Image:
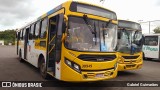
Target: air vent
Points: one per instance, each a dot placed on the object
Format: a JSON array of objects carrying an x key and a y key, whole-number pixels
[
  {"x": 97, "y": 58},
  {"x": 130, "y": 57}
]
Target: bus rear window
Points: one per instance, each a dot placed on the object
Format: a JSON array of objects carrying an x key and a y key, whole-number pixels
[{"x": 151, "y": 40}]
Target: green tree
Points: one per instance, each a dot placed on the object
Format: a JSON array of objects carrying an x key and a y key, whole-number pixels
[
  {"x": 8, "y": 36},
  {"x": 157, "y": 29}
]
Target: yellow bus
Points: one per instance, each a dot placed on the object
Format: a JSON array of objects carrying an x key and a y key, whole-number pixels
[
  {"x": 129, "y": 45},
  {"x": 73, "y": 42}
]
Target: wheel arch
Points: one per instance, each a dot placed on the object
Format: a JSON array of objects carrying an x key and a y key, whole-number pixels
[{"x": 40, "y": 59}]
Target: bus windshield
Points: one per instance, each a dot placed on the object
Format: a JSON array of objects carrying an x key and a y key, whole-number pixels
[
  {"x": 92, "y": 35},
  {"x": 130, "y": 41}
]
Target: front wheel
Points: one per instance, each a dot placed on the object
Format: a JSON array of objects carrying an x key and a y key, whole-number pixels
[{"x": 43, "y": 69}]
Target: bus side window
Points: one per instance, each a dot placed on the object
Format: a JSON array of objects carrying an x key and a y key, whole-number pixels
[
  {"x": 53, "y": 26},
  {"x": 24, "y": 32},
  {"x": 21, "y": 34},
  {"x": 31, "y": 36},
  {"x": 37, "y": 29},
  {"x": 43, "y": 28},
  {"x": 18, "y": 37}
]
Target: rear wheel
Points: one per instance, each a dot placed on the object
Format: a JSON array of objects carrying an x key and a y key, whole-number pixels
[
  {"x": 144, "y": 56},
  {"x": 149, "y": 58},
  {"x": 20, "y": 56}
]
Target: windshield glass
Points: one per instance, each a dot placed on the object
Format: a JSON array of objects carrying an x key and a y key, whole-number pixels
[
  {"x": 90, "y": 36},
  {"x": 129, "y": 41}
]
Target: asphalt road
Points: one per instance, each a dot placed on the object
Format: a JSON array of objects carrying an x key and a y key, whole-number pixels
[{"x": 12, "y": 70}]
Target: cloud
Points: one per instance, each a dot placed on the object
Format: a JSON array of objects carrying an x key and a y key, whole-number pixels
[
  {"x": 13, "y": 11},
  {"x": 157, "y": 3}
]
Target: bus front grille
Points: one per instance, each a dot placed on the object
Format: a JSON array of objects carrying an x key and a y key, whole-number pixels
[
  {"x": 97, "y": 58},
  {"x": 130, "y": 57}
]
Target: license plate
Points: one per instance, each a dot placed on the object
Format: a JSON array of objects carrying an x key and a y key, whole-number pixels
[
  {"x": 99, "y": 75},
  {"x": 129, "y": 66}
]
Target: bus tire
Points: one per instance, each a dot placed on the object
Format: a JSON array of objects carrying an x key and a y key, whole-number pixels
[
  {"x": 20, "y": 56},
  {"x": 42, "y": 68},
  {"x": 144, "y": 57}
]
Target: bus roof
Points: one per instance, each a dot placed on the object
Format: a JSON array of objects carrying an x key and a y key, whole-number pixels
[
  {"x": 127, "y": 21},
  {"x": 153, "y": 34},
  {"x": 129, "y": 25},
  {"x": 59, "y": 7}
]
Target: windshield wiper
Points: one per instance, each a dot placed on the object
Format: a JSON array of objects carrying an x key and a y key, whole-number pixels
[
  {"x": 124, "y": 29},
  {"x": 85, "y": 17},
  {"x": 107, "y": 24},
  {"x": 95, "y": 35},
  {"x": 103, "y": 34},
  {"x": 93, "y": 30}
]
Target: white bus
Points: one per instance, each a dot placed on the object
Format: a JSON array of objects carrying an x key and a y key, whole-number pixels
[{"x": 151, "y": 46}]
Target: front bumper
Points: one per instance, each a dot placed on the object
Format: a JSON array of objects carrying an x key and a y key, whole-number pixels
[
  {"x": 88, "y": 76},
  {"x": 131, "y": 66}
]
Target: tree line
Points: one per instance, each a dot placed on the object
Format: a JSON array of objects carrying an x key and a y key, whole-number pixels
[
  {"x": 8, "y": 36},
  {"x": 157, "y": 29}
]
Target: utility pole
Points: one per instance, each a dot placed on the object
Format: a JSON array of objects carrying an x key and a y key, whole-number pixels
[{"x": 149, "y": 26}]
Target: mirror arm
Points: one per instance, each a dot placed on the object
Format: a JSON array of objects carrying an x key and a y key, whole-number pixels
[{"x": 65, "y": 34}]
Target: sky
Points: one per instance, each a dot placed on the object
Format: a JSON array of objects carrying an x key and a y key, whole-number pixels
[{"x": 17, "y": 13}]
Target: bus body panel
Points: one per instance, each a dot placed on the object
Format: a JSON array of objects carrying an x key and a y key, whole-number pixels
[
  {"x": 99, "y": 70},
  {"x": 88, "y": 68},
  {"x": 151, "y": 46},
  {"x": 32, "y": 53},
  {"x": 73, "y": 76},
  {"x": 151, "y": 51},
  {"x": 127, "y": 61},
  {"x": 58, "y": 69},
  {"x": 130, "y": 64}
]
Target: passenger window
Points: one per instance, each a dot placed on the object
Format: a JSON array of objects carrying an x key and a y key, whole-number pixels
[
  {"x": 31, "y": 36},
  {"x": 37, "y": 29},
  {"x": 21, "y": 34},
  {"x": 43, "y": 28},
  {"x": 18, "y": 37},
  {"x": 24, "y": 31}
]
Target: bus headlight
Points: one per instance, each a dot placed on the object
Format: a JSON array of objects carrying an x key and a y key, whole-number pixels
[
  {"x": 73, "y": 65},
  {"x": 68, "y": 63},
  {"x": 76, "y": 66}
]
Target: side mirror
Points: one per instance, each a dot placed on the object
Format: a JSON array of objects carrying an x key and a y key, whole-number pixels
[
  {"x": 143, "y": 39},
  {"x": 119, "y": 35},
  {"x": 65, "y": 18},
  {"x": 64, "y": 28}
]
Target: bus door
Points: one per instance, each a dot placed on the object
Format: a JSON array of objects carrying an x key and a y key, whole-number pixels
[
  {"x": 54, "y": 42},
  {"x": 26, "y": 42},
  {"x": 159, "y": 46},
  {"x": 18, "y": 38}
]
